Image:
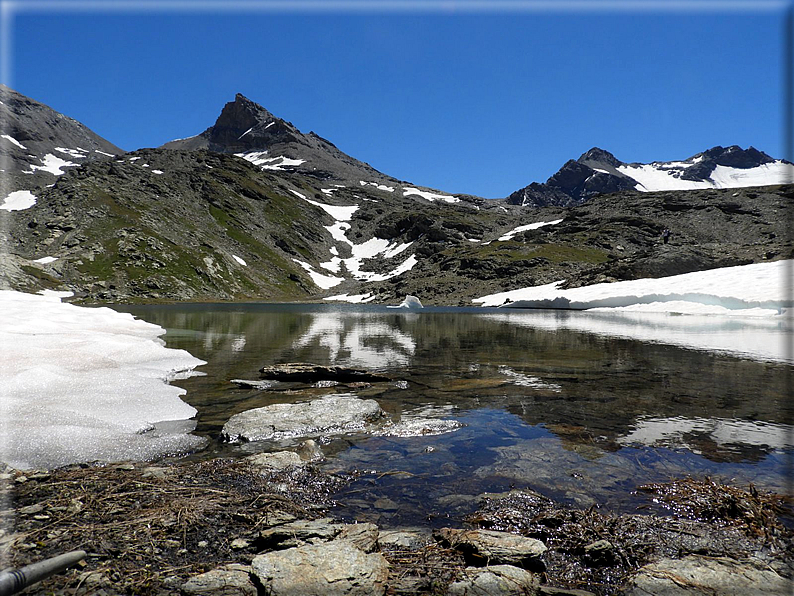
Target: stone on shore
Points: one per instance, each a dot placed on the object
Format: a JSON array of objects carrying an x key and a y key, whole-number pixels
[
  {"x": 300, "y": 533},
  {"x": 229, "y": 580},
  {"x": 332, "y": 414},
  {"x": 278, "y": 460},
  {"x": 333, "y": 569},
  {"x": 716, "y": 576},
  {"x": 311, "y": 373},
  {"x": 497, "y": 580},
  {"x": 487, "y": 547}
]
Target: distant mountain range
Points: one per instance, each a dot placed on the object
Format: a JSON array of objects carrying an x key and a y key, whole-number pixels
[
  {"x": 254, "y": 209},
  {"x": 599, "y": 172}
]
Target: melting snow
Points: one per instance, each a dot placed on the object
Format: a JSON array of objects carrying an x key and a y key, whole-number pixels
[
  {"x": 240, "y": 261},
  {"x": 103, "y": 153},
  {"x": 532, "y": 226},
  {"x": 322, "y": 281},
  {"x": 353, "y": 299},
  {"x": 18, "y": 200},
  {"x": 13, "y": 140},
  {"x": 653, "y": 177},
  {"x": 77, "y": 153},
  {"x": 51, "y": 164},
  {"x": 429, "y": 195},
  {"x": 269, "y": 163},
  {"x": 755, "y": 290},
  {"x": 157, "y": 172},
  {"x": 376, "y": 185},
  {"x": 245, "y": 133},
  {"x": 84, "y": 384},
  {"x": 338, "y": 212},
  {"x": 46, "y": 260}
]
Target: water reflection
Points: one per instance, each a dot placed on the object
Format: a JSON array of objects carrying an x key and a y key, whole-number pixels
[{"x": 582, "y": 406}]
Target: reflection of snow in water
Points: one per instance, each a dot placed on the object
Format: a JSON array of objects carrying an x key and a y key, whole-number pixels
[
  {"x": 756, "y": 338},
  {"x": 527, "y": 381},
  {"x": 367, "y": 342},
  {"x": 657, "y": 432},
  {"x": 238, "y": 343}
]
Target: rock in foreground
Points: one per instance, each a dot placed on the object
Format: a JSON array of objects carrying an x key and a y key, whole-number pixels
[
  {"x": 333, "y": 414},
  {"x": 486, "y": 547},
  {"x": 331, "y": 569}
]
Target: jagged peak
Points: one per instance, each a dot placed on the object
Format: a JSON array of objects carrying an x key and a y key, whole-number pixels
[{"x": 596, "y": 154}]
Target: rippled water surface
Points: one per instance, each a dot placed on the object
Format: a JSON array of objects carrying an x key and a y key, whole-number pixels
[{"x": 550, "y": 401}]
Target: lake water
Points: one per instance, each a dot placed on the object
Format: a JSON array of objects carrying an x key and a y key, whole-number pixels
[{"x": 581, "y": 407}]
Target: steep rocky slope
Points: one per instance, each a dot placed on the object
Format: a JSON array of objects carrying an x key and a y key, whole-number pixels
[{"x": 38, "y": 144}]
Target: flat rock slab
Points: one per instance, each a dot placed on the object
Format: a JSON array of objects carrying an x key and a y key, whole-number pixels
[
  {"x": 229, "y": 580},
  {"x": 334, "y": 569},
  {"x": 486, "y": 547},
  {"x": 332, "y": 414},
  {"x": 278, "y": 460},
  {"x": 300, "y": 533},
  {"x": 311, "y": 373},
  {"x": 715, "y": 576},
  {"x": 498, "y": 580}
]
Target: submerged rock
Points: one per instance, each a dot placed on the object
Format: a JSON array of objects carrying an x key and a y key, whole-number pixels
[
  {"x": 332, "y": 569},
  {"x": 313, "y": 373},
  {"x": 333, "y": 414},
  {"x": 497, "y": 580},
  {"x": 696, "y": 575},
  {"x": 486, "y": 547}
]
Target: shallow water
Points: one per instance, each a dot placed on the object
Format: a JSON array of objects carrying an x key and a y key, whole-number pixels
[{"x": 550, "y": 401}]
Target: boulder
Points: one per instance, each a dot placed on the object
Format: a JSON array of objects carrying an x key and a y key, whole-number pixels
[
  {"x": 278, "y": 460},
  {"x": 363, "y": 536},
  {"x": 403, "y": 539},
  {"x": 716, "y": 576},
  {"x": 332, "y": 414},
  {"x": 311, "y": 373},
  {"x": 486, "y": 547},
  {"x": 229, "y": 580},
  {"x": 498, "y": 580},
  {"x": 299, "y": 533},
  {"x": 334, "y": 569}
]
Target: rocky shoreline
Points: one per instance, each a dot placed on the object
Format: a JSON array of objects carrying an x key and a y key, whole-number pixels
[{"x": 260, "y": 525}]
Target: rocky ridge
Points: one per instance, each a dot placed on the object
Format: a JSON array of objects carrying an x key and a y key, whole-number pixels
[{"x": 253, "y": 209}]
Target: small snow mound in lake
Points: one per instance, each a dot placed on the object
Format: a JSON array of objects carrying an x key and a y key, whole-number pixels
[
  {"x": 86, "y": 384},
  {"x": 411, "y": 302}
]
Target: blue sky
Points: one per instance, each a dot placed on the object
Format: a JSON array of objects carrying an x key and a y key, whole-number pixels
[{"x": 478, "y": 100}]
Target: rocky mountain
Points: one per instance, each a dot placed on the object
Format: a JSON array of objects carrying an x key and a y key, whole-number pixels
[
  {"x": 204, "y": 219},
  {"x": 38, "y": 144},
  {"x": 599, "y": 172}
]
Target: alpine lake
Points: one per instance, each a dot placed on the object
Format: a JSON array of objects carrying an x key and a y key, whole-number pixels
[{"x": 580, "y": 407}]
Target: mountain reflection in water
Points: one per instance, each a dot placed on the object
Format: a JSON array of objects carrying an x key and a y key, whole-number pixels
[{"x": 579, "y": 406}]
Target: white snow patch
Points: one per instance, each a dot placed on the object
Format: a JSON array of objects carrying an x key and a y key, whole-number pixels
[
  {"x": 297, "y": 194},
  {"x": 655, "y": 177},
  {"x": 85, "y": 384},
  {"x": 103, "y": 153},
  {"x": 334, "y": 265},
  {"x": 338, "y": 212},
  {"x": 240, "y": 261},
  {"x": 756, "y": 289},
  {"x": 133, "y": 158},
  {"x": 532, "y": 226},
  {"x": 410, "y": 302},
  {"x": 245, "y": 133},
  {"x": 46, "y": 260},
  {"x": 52, "y": 164},
  {"x": 383, "y": 187},
  {"x": 352, "y": 298},
  {"x": 270, "y": 163},
  {"x": 322, "y": 281},
  {"x": 14, "y": 141},
  {"x": 76, "y": 153},
  {"x": 409, "y": 190},
  {"x": 18, "y": 201},
  {"x": 157, "y": 172}
]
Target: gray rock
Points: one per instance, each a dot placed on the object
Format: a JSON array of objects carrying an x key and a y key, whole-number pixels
[
  {"x": 418, "y": 427},
  {"x": 363, "y": 536},
  {"x": 715, "y": 576},
  {"x": 498, "y": 580},
  {"x": 485, "y": 547},
  {"x": 402, "y": 539},
  {"x": 600, "y": 552},
  {"x": 312, "y": 373},
  {"x": 332, "y": 414},
  {"x": 278, "y": 460},
  {"x": 299, "y": 533},
  {"x": 229, "y": 580},
  {"x": 310, "y": 451},
  {"x": 334, "y": 569}
]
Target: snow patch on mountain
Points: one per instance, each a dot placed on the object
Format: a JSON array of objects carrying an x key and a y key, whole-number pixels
[
  {"x": 18, "y": 201},
  {"x": 13, "y": 140},
  {"x": 321, "y": 281},
  {"x": 351, "y": 298},
  {"x": 383, "y": 187},
  {"x": 410, "y": 190},
  {"x": 519, "y": 229},
  {"x": 52, "y": 164},
  {"x": 278, "y": 163},
  {"x": 76, "y": 153},
  {"x": 666, "y": 176}
]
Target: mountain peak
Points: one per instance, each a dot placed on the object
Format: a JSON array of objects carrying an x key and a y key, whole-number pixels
[{"x": 596, "y": 155}]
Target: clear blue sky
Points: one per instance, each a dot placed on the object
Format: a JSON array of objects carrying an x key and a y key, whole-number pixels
[{"x": 463, "y": 100}]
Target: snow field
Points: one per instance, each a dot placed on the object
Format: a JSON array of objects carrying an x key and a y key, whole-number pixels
[
  {"x": 83, "y": 384},
  {"x": 18, "y": 201},
  {"x": 532, "y": 226}
]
